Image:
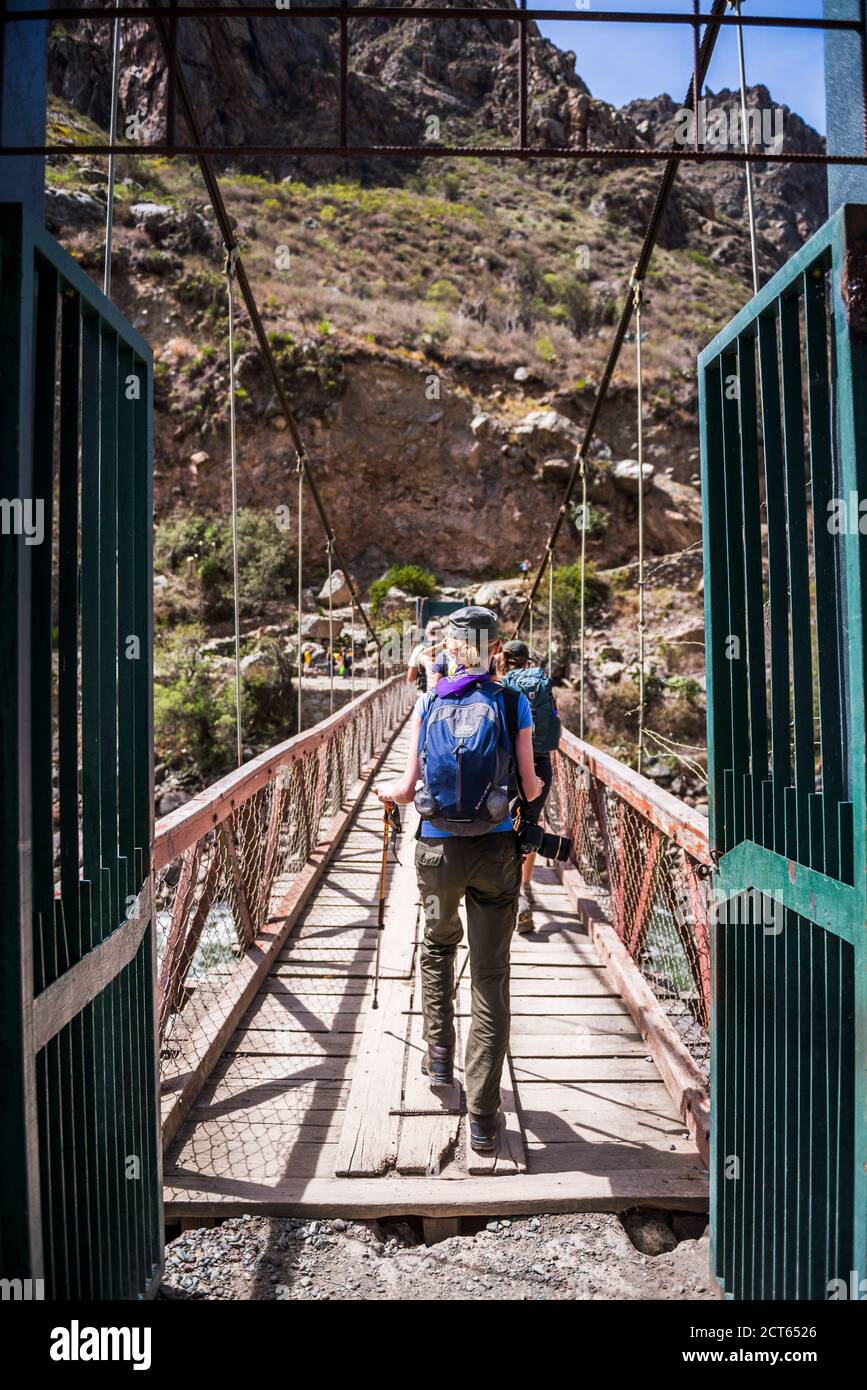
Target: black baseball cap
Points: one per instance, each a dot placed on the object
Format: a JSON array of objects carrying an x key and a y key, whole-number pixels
[
  {"x": 519, "y": 650},
  {"x": 472, "y": 623}
]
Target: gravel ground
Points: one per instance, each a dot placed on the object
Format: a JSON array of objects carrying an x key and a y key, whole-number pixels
[{"x": 578, "y": 1256}]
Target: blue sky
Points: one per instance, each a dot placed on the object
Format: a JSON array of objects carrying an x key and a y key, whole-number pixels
[{"x": 619, "y": 61}]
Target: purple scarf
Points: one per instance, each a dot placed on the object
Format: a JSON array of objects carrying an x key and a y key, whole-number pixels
[{"x": 461, "y": 681}]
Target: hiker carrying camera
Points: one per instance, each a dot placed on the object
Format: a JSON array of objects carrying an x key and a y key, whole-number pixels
[
  {"x": 516, "y": 672},
  {"x": 467, "y": 738}
]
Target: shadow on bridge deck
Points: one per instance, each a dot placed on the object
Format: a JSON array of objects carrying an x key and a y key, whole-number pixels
[{"x": 299, "y": 1115}]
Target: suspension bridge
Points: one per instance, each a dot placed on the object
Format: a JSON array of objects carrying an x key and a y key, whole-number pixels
[{"x": 188, "y": 1019}]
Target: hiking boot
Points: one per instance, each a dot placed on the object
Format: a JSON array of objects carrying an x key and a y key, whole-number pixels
[
  {"x": 439, "y": 1064},
  {"x": 525, "y": 923},
  {"x": 484, "y": 1132}
]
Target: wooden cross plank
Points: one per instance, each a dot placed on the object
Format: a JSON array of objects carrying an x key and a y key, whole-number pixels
[{"x": 368, "y": 1142}]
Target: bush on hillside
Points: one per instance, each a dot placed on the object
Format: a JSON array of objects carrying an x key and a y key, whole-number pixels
[
  {"x": 199, "y": 549},
  {"x": 567, "y": 602},
  {"x": 412, "y": 579}
]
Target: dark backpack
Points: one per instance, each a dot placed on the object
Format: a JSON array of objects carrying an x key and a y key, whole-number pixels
[
  {"x": 533, "y": 682},
  {"x": 466, "y": 759}
]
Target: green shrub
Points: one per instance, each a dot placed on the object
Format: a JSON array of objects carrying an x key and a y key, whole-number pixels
[
  {"x": 194, "y": 704},
  {"x": 200, "y": 549},
  {"x": 567, "y": 602},
  {"x": 442, "y": 292},
  {"x": 451, "y": 188},
  {"x": 411, "y": 578}
]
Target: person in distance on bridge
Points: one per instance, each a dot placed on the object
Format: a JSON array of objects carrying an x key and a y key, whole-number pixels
[
  {"x": 466, "y": 737},
  {"x": 517, "y": 672},
  {"x": 427, "y": 662}
]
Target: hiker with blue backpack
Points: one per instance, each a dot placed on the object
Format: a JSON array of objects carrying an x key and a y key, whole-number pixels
[
  {"x": 470, "y": 740},
  {"x": 517, "y": 672}
]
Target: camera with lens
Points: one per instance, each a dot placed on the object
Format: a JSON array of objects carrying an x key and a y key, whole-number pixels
[{"x": 531, "y": 837}]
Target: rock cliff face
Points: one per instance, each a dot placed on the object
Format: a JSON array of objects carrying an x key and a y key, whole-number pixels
[
  {"x": 461, "y": 482},
  {"x": 262, "y": 81}
]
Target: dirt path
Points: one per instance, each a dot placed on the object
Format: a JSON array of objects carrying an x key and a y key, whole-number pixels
[{"x": 581, "y": 1256}]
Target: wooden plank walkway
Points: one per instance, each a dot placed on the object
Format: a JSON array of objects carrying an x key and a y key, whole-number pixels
[{"x": 306, "y": 1111}]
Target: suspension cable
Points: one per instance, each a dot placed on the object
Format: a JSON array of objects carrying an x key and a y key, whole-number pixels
[
  {"x": 300, "y": 471},
  {"x": 751, "y": 210},
  {"x": 329, "y": 546},
  {"x": 352, "y": 659},
  {"x": 109, "y": 202},
  {"x": 550, "y": 612},
  {"x": 666, "y": 183},
  {"x": 639, "y": 391},
  {"x": 233, "y": 453},
  {"x": 581, "y": 629}
]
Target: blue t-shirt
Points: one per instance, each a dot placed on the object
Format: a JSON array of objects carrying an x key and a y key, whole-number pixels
[{"x": 525, "y": 721}]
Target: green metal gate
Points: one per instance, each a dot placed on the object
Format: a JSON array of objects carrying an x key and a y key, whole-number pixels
[
  {"x": 80, "y": 1188},
  {"x": 783, "y": 397}
]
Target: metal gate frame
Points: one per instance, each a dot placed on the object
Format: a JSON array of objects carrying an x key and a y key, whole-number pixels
[
  {"x": 782, "y": 387},
  {"x": 80, "y": 1185}
]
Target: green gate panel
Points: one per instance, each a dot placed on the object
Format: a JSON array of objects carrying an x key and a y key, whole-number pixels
[
  {"x": 81, "y": 1194},
  {"x": 783, "y": 402}
]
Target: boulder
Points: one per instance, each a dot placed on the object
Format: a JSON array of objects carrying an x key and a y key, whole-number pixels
[
  {"x": 649, "y": 1233},
  {"x": 521, "y": 374},
  {"x": 72, "y": 208},
  {"x": 171, "y": 799},
  {"x": 504, "y": 596},
  {"x": 394, "y": 601},
  {"x": 483, "y": 426},
  {"x": 611, "y": 670},
  {"x": 625, "y": 475},
  {"x": 338, "y": 589},
  {"x": 157, "y": 219},
  {"x": 257, "y": 663},
  {"x": 315, "y": 628},
  {"x": 317, "y": 652},
  {"x": 556, "y": 470},
  {"x": 188, "y": 230},
  {"x": 545, "y": 434}
]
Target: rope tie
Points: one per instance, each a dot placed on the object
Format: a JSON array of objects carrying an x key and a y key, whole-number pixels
[
  {"x": 638, "y": 292},
  {"x": 751, "y": 211},
  {"x": 231, "y": 258}
]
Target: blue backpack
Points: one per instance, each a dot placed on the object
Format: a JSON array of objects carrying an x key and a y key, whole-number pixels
[
  {"x": 533, "y": 682},
  {"x": 465, "y": 757}
]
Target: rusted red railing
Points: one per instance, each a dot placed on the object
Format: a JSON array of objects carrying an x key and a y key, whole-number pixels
[
  {"x": 226, "y": 862},
  {"x": 645, "y": 855}
]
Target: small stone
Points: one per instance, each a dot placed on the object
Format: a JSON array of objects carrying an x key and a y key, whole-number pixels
[
  {"x": 492, "y": 1226},
  {"x": 626, "y": 473}
]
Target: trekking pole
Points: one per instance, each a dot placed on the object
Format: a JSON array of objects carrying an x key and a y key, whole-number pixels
[{"x": 390, "y": 829}]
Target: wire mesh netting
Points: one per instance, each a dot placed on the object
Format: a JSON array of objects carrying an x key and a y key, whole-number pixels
[
  {"x": 214, "y": 898},
  {"x": 651, "y": 889}
]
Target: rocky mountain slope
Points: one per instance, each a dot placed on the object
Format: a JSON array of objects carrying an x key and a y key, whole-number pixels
[{"x": 441, "y": 325}]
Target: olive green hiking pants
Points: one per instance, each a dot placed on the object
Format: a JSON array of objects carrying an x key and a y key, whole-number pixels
[{"x": 486, "y": 871}]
